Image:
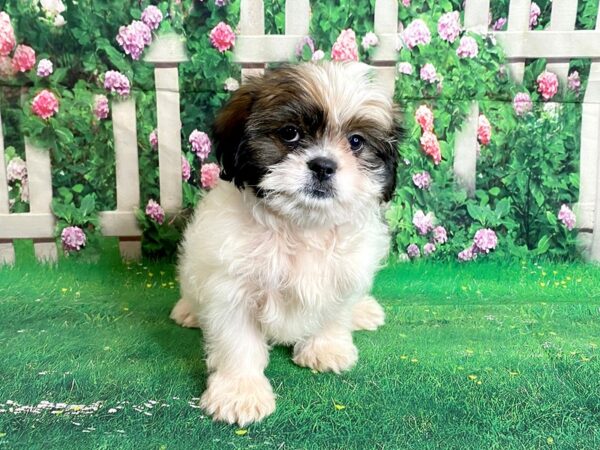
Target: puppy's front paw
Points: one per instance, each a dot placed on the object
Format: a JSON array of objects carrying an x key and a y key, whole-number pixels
[
  {"x": 240, "y": 400},
  {"x": 327, "y": 353},
  {"x": 367, "y": 314},
  {"x": 183, "y": 314}
]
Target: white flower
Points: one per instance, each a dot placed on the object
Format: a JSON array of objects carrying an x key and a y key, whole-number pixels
[
  {"x": 52, "y": 7},
  {"x": 318, "y": 55},
  {"x": 59, "y": 21},
  {"x": 231, "y": 84}
]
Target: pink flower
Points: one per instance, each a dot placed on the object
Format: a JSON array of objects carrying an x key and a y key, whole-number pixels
[
  {"x": 318, "y": 55},
  {"x": 101, "y": 108},
  {"x": 499, "y": 24},
  {"x": 45, "y": 104},
  {"x": 153, "y": 139},
  {"x": 306, "y": 40},
  {"x": 449, "y": 26},
  {"x": 413, "y": 251},
  {"x": 405, "y": 68},
  {"x": 186, "y": 169},
  {"x": 16, "y": 170},
  {"x": 534, "y": 13},
  {"x": 440, "y": 236},
  {"x": 428, "y": 73},
  {"x": 152, "y": 16},
  {"x": 428, "y": 248},
  {"x": 574, "y": 82},
  {"x": 467, "y": 48},
  {"x": 200, "y": 144},
  {"x": 522, "y": 103},
  {"x": 467, "y": 254},
  {"x": 44, "y": 68},
  {"x": 424, "y": 117},
  {"x": 345, "y": 48},
  {"x": 484, "y": 130},
  {"x": 134, "y": 37},
  {"x": 222, "y": 37},
  {"x": 155, "y": 211},
  {"x": 73, "y": 238},
  {"x": 23, "y": 58},
  {"x": 406, "y": 3},
  {"x": 209, "y": 175},
  {"x": 369, "y": 40},
  {"x": 567, "y": 217},
  {"x": 220, "y": 3},
  {"x": 423, "y": 222},
  {"x": 416, "y": 33},
  {"x": 116, "y": 82},
  {"x": 6, "y": 67},
  {"x": 422, "y": 180},
  {"x": 7, "y": 35},
  {"x": 485, "y": 240},
  {"x": 547, "y": 83},
  {"x": 431, "y": 146}
]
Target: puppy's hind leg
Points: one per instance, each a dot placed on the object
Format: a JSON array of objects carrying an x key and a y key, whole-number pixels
[
  {"x": 367, "y": 314},
  {"x": 183, "y": 314}
]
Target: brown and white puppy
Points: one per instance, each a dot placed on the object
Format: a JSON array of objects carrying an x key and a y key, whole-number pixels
[{"x": 284, "y": 249}]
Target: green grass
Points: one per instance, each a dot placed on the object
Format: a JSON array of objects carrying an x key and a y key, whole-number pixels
[{"x": 473, "y": 356}]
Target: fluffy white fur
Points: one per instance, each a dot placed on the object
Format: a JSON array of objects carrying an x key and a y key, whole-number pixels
[{"x": 285, "y": 269}]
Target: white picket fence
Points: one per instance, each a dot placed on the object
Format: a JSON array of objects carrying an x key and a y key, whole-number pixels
[
  {"x": 39, "y": 224},
  {"x": 253, "y": 50}
]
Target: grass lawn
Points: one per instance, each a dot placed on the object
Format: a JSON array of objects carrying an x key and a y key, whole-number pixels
[{"x": 474, "y": 356}]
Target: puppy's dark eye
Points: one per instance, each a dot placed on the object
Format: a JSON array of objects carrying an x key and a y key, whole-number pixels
[
  {"x": 290, "y": 134},
  {"x": 356, "y": 142}
]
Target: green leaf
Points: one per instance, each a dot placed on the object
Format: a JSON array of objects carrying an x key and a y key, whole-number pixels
[{"x": 78, "y": 188}]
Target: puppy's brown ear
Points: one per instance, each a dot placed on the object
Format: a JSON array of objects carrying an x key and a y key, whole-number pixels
[
  {"x": 229, "y": 131},
  {"x": 391, "y": 156}
]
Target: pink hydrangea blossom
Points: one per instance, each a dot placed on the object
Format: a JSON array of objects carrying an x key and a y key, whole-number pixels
[
  {"x": 153, "y": 139},
  {"x": 429, "y": 248},
  {"x": 134, "y": 37},
  {"x": 485, "y": 240},
  {"x": 6, "y": 67},
  {"x": 428, "y": 73},
  {"x": 152, "y": 16},
  {"x": 155, "y": 211},
  {"x": 522, "y": 103},
  {"x": 116, "y": 82},
  {"x": 405, "y": 68},
  {"x": 424, "y": 117},
  {"x": 186, "y": 169},
  {"x": 369, "y": 40},
  {"x": 318, "y": 55},
  {"x": 574, "y": 81},
  {"x": 406, "y": 3},
  {"x": 200, "y": 144},
  {"x": 499, "y": 24},
  {"x": 306, "y": 40},
  {"x": 72, "y": 238},
  {"x": 467, "y": 48},
  {"x": 423, "y": 222},
  {"x": 222, "y": 37},
  {"x": 431, "y": 146},
  {"x": 484, "y": 130},
  {"x": 567, "y": 217},
  {"x": 467, "y": 254},
  {"x": 101, "y": 108},
  {"x": 440, "y": 236},
  {"x": 24, "y": 190},
  {"x": 413, "y": 251},
  {"x": 534, "y": 13},
  {"x": 416, "y": 33},
  {"x": 16, "y": 170},
  {"x": 422, "y": 180},
  {"x": 547, "y": 84},
  {"x": 23, "y": 58},
  {"x": 44, "y": 104},
  {"x": 209, "y": 175},
  {"x": 7, "y": 35},
  {"x": 345, "y": 47},
  {"x": 44, "y": 68},
  {"x": 449, "y": 26}
]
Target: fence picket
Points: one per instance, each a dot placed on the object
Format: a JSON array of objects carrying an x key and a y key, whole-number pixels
[
  {"x": 297, "y": 17},
  {"x": 564, "y": 14},
  {"x": 252, "y": 23},
  {"x": 386, "y": 24},
  {"x": 518, "y": 20},
  {"x": 7, "y": 250}
]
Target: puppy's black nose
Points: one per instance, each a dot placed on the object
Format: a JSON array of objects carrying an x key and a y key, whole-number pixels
[{"x": 323, "y": 168}]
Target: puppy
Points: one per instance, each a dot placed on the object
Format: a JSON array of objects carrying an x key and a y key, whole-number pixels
[{"x": 284, "y": 249}]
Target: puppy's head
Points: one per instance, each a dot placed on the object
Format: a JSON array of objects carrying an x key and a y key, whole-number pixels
[{"x": 317, "y": 143}]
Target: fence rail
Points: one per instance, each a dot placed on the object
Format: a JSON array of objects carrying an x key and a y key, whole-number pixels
[{"x": 254, "y": 49}]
